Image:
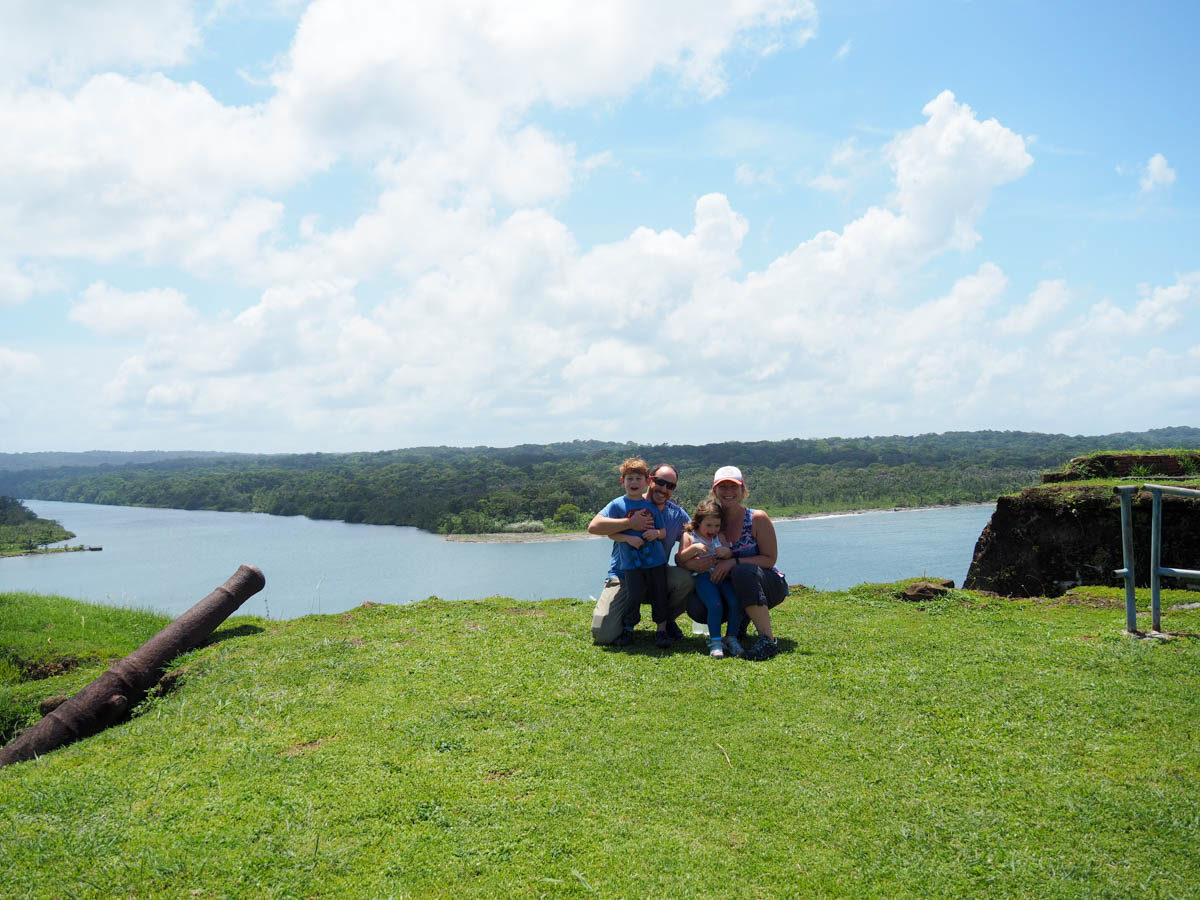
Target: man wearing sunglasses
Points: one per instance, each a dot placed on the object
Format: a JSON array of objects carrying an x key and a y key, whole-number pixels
[{"x": 610, "y": 608}]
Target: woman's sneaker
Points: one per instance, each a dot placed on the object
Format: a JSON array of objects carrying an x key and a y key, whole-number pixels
[
  {"x": 735, "y": 649},
  {"x": 764, "y": 648},
  {"x": 716, "y": 648}
]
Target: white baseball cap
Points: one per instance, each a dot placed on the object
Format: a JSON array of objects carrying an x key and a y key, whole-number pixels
[{"x": 729, "y": 473}]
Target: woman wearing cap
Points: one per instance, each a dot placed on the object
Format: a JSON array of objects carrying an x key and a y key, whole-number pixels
[{"x": 750, "y": 534}]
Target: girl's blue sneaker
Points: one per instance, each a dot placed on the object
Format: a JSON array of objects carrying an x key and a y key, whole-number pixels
[
  {"x": 716, "y": 648},
  {"x": 735, "y": 649}
]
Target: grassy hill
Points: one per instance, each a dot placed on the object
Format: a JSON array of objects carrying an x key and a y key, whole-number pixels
[{"x": 965, "y": 746}]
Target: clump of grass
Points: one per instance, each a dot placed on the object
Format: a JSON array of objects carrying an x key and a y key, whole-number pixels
[
  {"x": 1103, "y": 595},
  {"x": 488, "y": 748}
]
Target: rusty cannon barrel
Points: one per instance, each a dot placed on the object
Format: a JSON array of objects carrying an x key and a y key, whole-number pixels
[{"x": 109, "y": 698}]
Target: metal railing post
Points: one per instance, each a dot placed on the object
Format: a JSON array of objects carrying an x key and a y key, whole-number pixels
[
  {"x": 1157, "y": 569},
  {"x": 1155, "y": 557},
  {"x": 1126, "y": 493}
]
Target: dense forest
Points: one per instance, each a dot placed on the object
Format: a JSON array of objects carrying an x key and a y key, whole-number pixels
[{"x": 559, "y": 486}]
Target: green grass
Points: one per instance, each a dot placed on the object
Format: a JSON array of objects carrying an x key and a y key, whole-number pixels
[
  {"x": 966, "y": 746},
  {"x": 40, "y": 629}
]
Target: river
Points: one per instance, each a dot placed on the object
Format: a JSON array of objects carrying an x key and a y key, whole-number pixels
[{"x": 167, "y": 559}]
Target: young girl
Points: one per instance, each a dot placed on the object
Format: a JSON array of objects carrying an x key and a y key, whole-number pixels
[{"x": 703, "y": 540}]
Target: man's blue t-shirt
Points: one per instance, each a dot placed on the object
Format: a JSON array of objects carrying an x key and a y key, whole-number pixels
[{"x": 671, "y": 518}]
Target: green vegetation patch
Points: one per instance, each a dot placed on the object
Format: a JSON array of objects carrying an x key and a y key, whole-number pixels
[
  {"x": 1093, "y": 489},
  {"x": 23, "y": 532},
  {"x": 968, "y": 747}
]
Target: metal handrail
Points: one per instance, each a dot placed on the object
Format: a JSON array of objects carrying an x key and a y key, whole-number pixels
[{"x": 1157, "y": 569}]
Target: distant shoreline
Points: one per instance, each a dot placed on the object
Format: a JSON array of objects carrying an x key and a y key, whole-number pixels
[
  {"x": 78, "y": 548},
  {"x": 535, "y": 537}
]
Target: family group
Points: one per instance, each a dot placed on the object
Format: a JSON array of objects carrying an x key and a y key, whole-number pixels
[{"x": 724, "y": 566}]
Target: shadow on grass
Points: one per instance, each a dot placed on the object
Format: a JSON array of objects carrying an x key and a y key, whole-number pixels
[
  {"x": 643, "y": 645},
  {"x": 224, "y": 634}
]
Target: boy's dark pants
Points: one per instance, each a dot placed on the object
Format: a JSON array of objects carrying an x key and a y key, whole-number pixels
[{"x": 646, "y": 586}]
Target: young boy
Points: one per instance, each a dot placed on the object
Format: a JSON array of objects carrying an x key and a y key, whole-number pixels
[{"x": 641, "y": 556}]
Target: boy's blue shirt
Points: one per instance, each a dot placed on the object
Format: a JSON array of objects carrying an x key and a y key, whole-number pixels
[{"x": 671, "y": 518}]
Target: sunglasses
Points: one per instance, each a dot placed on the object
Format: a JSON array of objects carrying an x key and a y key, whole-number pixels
[{"x": 663, "y": 483}]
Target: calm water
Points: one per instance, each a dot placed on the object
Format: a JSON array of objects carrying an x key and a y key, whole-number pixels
[{"x": 167, "y": 559}]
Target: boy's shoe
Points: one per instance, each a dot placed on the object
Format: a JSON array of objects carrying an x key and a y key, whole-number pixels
[
  {"x": 735, "y": 649},
  {"x": 764, "y": 648},
  {"x": 662, "y": 640},
  {"x": 716, "y": 649},
  {"x": 624, "y": 639},
  {"x": 674, "y": 631}
]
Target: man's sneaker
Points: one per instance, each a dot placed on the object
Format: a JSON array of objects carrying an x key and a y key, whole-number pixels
[
  {"x": 735, "y": 649},
  {"x": 674, "y": 631},
  {"x": 764, "y": 648},
  {"x": 716, "y": 648},
  {"x": 662, "y": 640},
  {"x": 624, "y": 639}
]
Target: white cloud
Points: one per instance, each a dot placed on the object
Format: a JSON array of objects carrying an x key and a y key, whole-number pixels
[
  {"x": 126, "y": 166},
  {"x": 111, "y": 312},
  {"x": 368, "y": 74},
  {"x": 1047, "y": 300},
  {"x": 140, "y": 166},
  {"x": 61, "y": 40},
  {"x": 15, "y": 286},
  {"x": 845, "y": 164},
  {"x": 823, "y": 314},
  {"x": 18, "y": 282},
  {"x": 1108, "y": 327},
  {"x": 952, "y": 157},
  {"x": 749, "y": 176},
  {"x": 842, "y": 52},
  {"x": 1158, "y": 173},
  {"x": 15, "y": 364}
]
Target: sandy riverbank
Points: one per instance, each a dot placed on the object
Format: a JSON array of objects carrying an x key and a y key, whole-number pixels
[
  {"x": 515, "y": 537},
  {"x": 519, "y": 537}
]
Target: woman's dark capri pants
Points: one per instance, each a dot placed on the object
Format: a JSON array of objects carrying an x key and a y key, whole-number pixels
[{"x": 753, "y": 585}]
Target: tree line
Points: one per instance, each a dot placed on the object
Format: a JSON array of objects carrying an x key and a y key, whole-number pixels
[{"x": 559, "y": 486}]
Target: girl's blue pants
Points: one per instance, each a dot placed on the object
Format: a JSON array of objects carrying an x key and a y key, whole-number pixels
[{"x": 717, "y": 599}]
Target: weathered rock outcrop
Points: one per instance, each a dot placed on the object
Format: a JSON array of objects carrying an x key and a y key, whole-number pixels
[
  {"x": 1172, "y": 464},
  {"x": 1050, "y": 538}
]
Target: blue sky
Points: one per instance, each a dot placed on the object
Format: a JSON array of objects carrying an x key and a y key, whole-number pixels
[{"x": 359, "y": 225}]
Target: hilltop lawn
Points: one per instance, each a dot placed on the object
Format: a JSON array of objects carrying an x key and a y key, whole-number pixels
[{"x": 968, "y": 746}]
